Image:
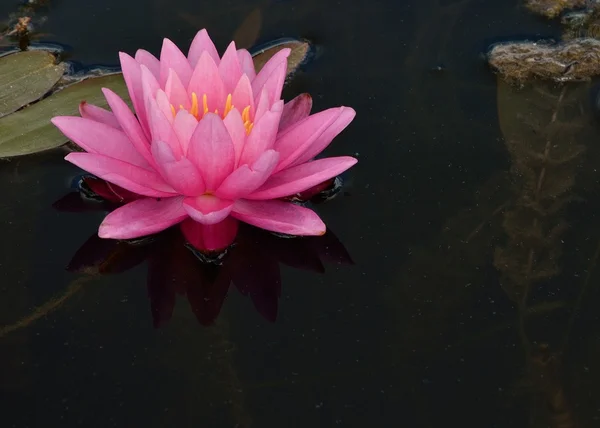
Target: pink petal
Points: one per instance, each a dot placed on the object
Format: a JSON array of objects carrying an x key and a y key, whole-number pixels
[
  {"x": 150, "y": 85},
  {"x": 207, "y": 209},
  {"x": 146, "y": 58},
  {"x": 271, "y": 70},
  {"x": 142, "y": 217},
  {"x": 129, "y": 124},
  {"x": 162, "y": 101},
  {"x": 235, "y": 126},
  {"x": 96, "y": 137},
  {"x": 262, "y": 105},
  {"x": 211, "y": 237},
  {"x": 230, "y": 68},
  {"x": 98, "y": 114},
  {"x": 202, "y": 43},
  {"x": 301, "y": 177},
  {"x": 262, "y": 136},
  {"x": 295, "y": 110},
  {"x": 177, "y": 92},
  {"x": 172, "y": 58},
  {"x": 130, "y": 177},
  {"x": 206, "y": 80},
  {"x": 245, "y": 179},
  {"x": 161, "y": 128},
  {"x": 292, "y": 143},
  {"x": 278, "y": 216},
  {"x": 242, "y": 96},
  {"x": 132, "y": 73},
  {"x": 273, "y": 86},
  {"x": 184, "y": 126},
  {"x": 181, "y": 174},
  {"x": 211, "y": 149},
  {"x": 246, "y": 63},
  {"x": 326, "y": 137}
]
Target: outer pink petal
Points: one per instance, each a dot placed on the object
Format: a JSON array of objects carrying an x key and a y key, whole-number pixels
[
  {"x": 172, "y": 58},
  {"x": 212, "y": 237},
  {"x": 177, "y": 92},
  {"x": 162, "y": 101},
  {"x": 295, "y": 110},
  {"x": 128, "y": 176},
  {"x": 211, "y": 149},
  {"x": 202, "y": 43},
  {"x": 262, "y": 105},
  {"x": 98, "y": 114},
  {"x": 129, "y": 124},
  {"x": 146, "y": 58},
  {"x": 242, "y": 96},
  {"x": 230, "y": 68},
  {"x": 161, "y": 127},
  {"x": 132, "y": 74},
  {"x": 247, "y": 63},
  {"x": 181, "y": 174},
  {"x": 292, "y": 143},
  {"x": 184, "y": 126},
  {"x": 262, "y": 136},
  {"x": 278, "y": 216},
  {"x": 272, "y": 69},
  {"x": 273, "y": 86},
  {"x": 245, "y": 179},
  {"x": 96, "y": 137},
  {"x": 206, "y": 80},
  {"x": 142, "y": 217},
  {"x": 235, "y": 126},
  {"x": 326, "y": 137},
  {"x": 299, "y": 178},
  {"x": 207, "y": 209}
]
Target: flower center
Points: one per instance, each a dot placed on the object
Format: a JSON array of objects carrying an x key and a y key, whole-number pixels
[{"x": 199, "y": 113}]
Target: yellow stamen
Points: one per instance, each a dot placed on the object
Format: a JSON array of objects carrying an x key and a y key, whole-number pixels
[
  {"x": 194, "y": 109},
  {"x": 205, "y": 103},
  {"x": 246, "y": 114},
  {"x": 181, "y": 107},
  {"x": 173, "y": 110},
  {"x": 248, "y": 125},
  {"x": 228, "y": 106}
]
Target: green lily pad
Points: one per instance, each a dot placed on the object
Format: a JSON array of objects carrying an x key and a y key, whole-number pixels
[
  {"x": 26, "y": 77},
  {"x": 30, "y": 130},
  {"x": 300, "y": 50}
]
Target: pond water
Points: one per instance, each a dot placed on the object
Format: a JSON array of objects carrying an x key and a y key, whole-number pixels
[{"x": 427, "y": 327}]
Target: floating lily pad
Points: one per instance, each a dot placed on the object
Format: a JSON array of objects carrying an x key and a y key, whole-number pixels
[
  {"x": 30, "y": 130},
  {"x": 300, "y": 50},
  {"x": 26, "y": 77}
]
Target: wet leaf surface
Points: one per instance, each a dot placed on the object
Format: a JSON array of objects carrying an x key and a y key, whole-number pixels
[
  {"x": 25, "y": 77},
  {"x": 30, "y": 130},
  {"x": 300, "y": 50}
]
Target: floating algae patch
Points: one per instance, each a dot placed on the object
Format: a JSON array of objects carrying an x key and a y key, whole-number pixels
[
  {"x": 523, "y": 61},
  {"x": 552, "y": 8}
]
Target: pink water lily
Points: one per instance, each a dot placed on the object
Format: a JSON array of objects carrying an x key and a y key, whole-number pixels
[{"x": 211, "y": 143}]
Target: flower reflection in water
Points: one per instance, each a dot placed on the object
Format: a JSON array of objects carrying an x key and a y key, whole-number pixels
[{"x": 176, "y": 268}]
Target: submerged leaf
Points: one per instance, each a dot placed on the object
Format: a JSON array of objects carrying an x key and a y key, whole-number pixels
[
  {"x": 300, "y": 50},
  {"x": 249, "y": 30},
  {"x": 30, "y": 130},
  {"x": 26, "y": 77}
]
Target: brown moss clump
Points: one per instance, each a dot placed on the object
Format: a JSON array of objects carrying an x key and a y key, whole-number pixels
[
  {"x": 523, "y": 61},
  {"x": 552, "y": 8}
]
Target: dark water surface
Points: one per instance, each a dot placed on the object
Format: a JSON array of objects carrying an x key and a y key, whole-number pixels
[{"x": 427, "y": 328}]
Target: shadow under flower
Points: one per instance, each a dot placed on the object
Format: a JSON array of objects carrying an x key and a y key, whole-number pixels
[{"x": 175, "y": 267}]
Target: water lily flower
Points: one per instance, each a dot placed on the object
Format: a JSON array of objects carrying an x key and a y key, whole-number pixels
[{"x": 211, "y": 143}]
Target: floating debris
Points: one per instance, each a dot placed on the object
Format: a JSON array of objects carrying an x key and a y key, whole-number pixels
[
  {"x": 552, "y": 8},
  {"x": 519, "y": 62}
]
